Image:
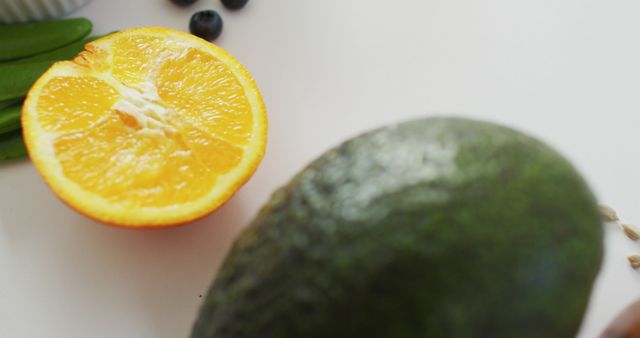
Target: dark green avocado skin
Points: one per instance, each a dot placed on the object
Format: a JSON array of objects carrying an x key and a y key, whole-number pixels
[{"x": 433, "y": 228}]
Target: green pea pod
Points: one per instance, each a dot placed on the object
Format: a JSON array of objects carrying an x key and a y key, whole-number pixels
[
  {"x": 7, "y": 103},
  {"x": 16, "y": 80},
  {"x": 67, "y": 52},
  {"x": 12, "y": 146},
  {"x": 10, "y": 118},
  {"x": 26, "y": 39}
]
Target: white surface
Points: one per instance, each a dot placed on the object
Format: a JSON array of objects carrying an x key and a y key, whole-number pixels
[
  {"x": 30, "y": 10},
  {"x": 566, "y": 71}
]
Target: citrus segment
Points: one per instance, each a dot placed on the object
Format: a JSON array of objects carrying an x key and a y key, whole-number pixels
[
  {"x": 134, "y": 57},
  {"x": 218, "y": 155},
  {"x": 132, "y": 170},
  {"x": 74, "y": 103},
  {"x": 205, "y": 92},
  {"x": 148, "y": 127}
]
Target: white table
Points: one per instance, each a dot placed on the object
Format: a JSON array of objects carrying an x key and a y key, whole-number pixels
[{"x": 565, "y": 71}]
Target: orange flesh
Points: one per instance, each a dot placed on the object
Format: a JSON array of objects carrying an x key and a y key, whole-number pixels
[{"x": 156, "y": 128}]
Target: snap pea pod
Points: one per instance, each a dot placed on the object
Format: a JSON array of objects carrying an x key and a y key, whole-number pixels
[
  {"x": 7, "y": 103},
  {"x": 67, "y": 52},
  {"x": 27, "y": 39},
  {"x": 16, "y": 77},
  {"x": 16, "y": 80},
  {"x": 10, "y": 118},
  {"x": 12, "y": 146}
]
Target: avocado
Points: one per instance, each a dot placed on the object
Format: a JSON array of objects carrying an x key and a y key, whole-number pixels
[{"x": 432, "y": 228}]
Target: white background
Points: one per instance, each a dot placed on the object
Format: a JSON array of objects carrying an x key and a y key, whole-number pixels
[{"x": 567, "y": 71}]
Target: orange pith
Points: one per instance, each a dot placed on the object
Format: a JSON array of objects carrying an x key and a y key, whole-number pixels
[{"x": 148, "y": 127}]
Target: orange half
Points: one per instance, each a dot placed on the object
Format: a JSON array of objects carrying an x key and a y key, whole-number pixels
[{"x": 147, "y": 127}]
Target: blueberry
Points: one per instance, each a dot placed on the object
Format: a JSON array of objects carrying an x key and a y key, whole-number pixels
[
  {"x": 183, "y": 3},
  {"x": 234, "y": 4},
  {"x": 206, "y": 24}
]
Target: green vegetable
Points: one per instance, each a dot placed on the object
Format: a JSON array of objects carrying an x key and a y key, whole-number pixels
[
  {"x": 67, "y": 52},
  {"x": 17, "y": 79},
  {"x": 11, "y": 145},
  {"x": 27, "y": 39},
  {"x": 10, "y": 118},
  {"x": 7, "y": 103},
  {"x": 17, "y": 76},
  {"x": 432, "y": 228}
]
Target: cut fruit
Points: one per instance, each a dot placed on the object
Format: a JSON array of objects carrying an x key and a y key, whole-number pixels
[{"x": 147, "y": 127}]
